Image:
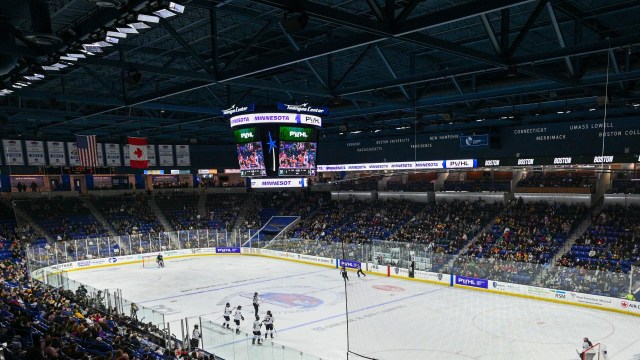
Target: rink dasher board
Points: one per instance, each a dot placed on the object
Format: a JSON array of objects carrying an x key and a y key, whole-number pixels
[{"x": 485, "y": 285}]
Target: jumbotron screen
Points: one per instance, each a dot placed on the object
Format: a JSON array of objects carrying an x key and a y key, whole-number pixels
[
  {"x": 297, "y": 158},
  {"x": 251, "y": 159}
]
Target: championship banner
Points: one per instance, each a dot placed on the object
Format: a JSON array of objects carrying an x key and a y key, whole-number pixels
[
  {"x": 165, "y": 153},
  {"x": 151, "y": 155},
  {"x": 57, "y": 156},
  {"x": 126, "y": 154},
  {"x": 13, "y": 152},
  {"x": 74, "y": 157},
  {"x": 182, "y": 155},
  {"x": 35, "y": 153},
  {"x": 100, "y": 152},
  {"x": 112, "y": 153}
]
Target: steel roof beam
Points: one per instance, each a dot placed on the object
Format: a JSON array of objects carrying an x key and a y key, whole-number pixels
[
  {"x": 527, "y": 27},
  {"x": 390, "y": 69},
  {"x": 189, "y": 49},
  {"x": 297, "y": 48},
  {"x": 492, "y": 35},
  {"x": 558, "y": 31}
]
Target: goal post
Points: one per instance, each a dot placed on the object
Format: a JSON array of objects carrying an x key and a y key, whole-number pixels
[
  {"x": 149, "y": 261},
  {"x": 596, "y": 352}
]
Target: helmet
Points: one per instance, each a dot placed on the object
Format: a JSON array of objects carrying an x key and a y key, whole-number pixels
[
  {"x": 228, "y": 304},
  {"x": 268, "y": 312},
  {"x": 586, "y": 339},
  {"x": 239, "y": 307},
  {"x": 255, "y": 293}
]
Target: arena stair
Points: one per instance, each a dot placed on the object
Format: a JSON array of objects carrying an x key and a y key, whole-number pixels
[
  {"x": 577, "y": 232},
  {"x": 23, "y": 218},
  {"x": 276, "y": 226},
  {"x": 202, "y": 205},
  {"x": 99, "y": 216},
  {"x": 163, "y": 221}
]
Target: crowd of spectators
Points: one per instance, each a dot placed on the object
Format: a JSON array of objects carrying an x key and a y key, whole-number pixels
[
  {"x": 39, "y": 322},
  {"x": 448, "y": 225},
  {"x": 223, "y": 209},
  {"x": 129, "y": 214},
  {"x": 558, "y": 179},
  {"x": 600, "y": 259},
  {"x": 63, "y": 218},
  {"x": 181, "y": 210},
  {"x": 528, "y": 232}
]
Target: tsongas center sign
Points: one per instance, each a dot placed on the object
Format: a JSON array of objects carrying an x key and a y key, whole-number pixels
[
  {"x": 275, "y": 118},
  {"x": 303, "y": 108}
]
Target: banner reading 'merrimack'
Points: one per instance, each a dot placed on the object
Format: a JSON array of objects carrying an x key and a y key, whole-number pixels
[
  {"x": 35, "y": 153},
  {"x": 57, "y": 156}
]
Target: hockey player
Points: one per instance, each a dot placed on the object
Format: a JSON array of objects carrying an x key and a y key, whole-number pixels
[
  {"x": 227, "y": 316},
  {"x": 268, "y": 324},
  {"x": 237, "y": 316},
  {"x": 195, "y": 337},
  {"x": 256, "y": 331},
  {"x": 160, "y": 260},
  {"x": 586, "y": 345},
  {"x": 256, "y": 305},
  {"x": 343, "y": 271},
  {"x": 360, "y": 271}
]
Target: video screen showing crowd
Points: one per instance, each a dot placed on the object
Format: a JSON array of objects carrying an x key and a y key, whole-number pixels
[{"x": 298, "y": 155}]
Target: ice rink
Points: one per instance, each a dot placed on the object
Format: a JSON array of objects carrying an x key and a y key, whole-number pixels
[{"x": 389, "y": 318}]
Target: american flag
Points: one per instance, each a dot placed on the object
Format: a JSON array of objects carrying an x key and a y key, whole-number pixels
[{"x": 87, "y": 150}]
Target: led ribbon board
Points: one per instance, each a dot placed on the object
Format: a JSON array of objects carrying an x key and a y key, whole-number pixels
[{"x": 275, "y": 118}]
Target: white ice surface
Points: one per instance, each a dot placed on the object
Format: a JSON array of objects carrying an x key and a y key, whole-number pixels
[{"x": 389, "y": 318}]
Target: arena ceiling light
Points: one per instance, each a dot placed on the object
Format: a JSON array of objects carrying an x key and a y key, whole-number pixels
[
  {"x": 111, "y": 40},
  {"x": 68, "y": 58},
  {"x": 92, "y": 48},
  {"x": 116, "y": 34},
  {"x": 127, "y": 30},
  {"x": 139, "y": 25},
  {"x": 148, "y": 18},
  {"x": 76, "y": 56},
  {"x": 172, "y": 9}
]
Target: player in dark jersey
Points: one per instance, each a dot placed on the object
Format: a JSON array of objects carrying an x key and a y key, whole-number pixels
[
  {"x": 160, "y": 261},
  {"x": 343, "y": 271}
]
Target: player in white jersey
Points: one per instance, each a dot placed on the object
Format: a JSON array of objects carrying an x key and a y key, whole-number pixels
[
  {"x": 268, "y": 324},
  {"x": 256, "y": 331},
  {"x": 227, "y": 316},
  {"x": 237, "y": 316}
]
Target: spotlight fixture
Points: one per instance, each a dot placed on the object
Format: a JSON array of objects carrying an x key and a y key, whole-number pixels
[{"x": 293, "y": 23}]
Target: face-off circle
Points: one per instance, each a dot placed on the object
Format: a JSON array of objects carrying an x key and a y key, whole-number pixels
[{"x": 389, "y": 288}]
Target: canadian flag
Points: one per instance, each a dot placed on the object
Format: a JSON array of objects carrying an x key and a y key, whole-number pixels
[{"x": 138, "y": 153}]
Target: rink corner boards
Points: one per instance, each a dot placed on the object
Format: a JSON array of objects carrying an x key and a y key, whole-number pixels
[{"x": 618, "y": 305}]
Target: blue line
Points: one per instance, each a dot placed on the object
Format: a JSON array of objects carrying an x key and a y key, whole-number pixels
[
  {"x": 335, "y": 316},
  {"x": 231, "y": 286}
]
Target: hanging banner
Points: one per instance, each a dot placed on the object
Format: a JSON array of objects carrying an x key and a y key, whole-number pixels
[
  {"x": 112, "y": 154},
  {"x": 182, "y": 155},
  {"x": 165, "y": 153},
  {"x": 57, "y": 156},
  {"x": 151, "y": 155},
  {"x": 100, "y": 153},
  {"x": 125, "y": 153},
  {"x": 35, "y": 153},
  {"x": 74, "y": 158},
  {"x": 13, "y": 152}
]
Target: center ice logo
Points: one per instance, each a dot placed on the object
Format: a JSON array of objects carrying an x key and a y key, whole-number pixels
[{"x": 289, "y": 300}]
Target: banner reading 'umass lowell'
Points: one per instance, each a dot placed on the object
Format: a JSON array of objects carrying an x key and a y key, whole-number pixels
[{"x": 621, "y": 136}]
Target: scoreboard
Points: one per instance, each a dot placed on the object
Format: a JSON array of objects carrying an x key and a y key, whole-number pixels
[{"x": 276, "y": 144}]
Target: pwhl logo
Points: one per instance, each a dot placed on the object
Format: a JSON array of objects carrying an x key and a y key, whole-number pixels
[
  {"x": 113, "y": 260},
  {"x": 290, "y": 300}
]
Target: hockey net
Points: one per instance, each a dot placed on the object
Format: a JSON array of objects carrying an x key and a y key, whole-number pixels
[
  {"x": 149, "y": 261},
  {"x": 596, "y": 352}
]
